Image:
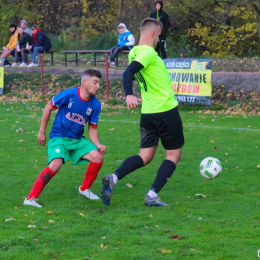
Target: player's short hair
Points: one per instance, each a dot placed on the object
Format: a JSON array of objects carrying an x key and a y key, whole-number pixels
[
  {"x": 90, "y": 73},
  {"x": 149, "y": 23}
]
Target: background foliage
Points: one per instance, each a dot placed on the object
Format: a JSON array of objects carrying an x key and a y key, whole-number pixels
[{"x": 217, "y": 28}]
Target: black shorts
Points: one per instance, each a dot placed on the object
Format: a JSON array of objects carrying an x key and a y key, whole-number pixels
[{"x": 165, "y": 125}]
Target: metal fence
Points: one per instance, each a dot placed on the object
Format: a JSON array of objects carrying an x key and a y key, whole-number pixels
[{"x": 231, "y": 74}]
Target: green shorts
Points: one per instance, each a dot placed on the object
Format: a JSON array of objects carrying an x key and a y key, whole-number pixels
[{"x": 67, "y": 148}]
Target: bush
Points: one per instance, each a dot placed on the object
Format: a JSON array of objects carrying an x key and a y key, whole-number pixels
[{"x": 66, "y": 40}]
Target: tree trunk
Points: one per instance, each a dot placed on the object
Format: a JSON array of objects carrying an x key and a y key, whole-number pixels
[
  {"x": 256, "y": 7},
  {"x": 120, "y": 8}
]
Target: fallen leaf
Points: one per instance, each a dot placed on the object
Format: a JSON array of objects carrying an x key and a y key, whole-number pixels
[
  {"x": 51, "y": 221},
  {"x": 200, "y": 195},
  {"x": 175, "y": 236},
  {"x": 167, "y": 230},
  {"x": 236, "y": 167},
  {"x": 226, "y": 153},
  {"x": 81, "y": 214},
  {"x": 166, "y": 251},
  {"x": 129, "y": 185},
  {"x": 20, "y": 130},
  {"x": 9, "y": 219},
  {"x": 49, "y": 212},
  {"x": 57, "y": 253},
  {"x": 258, "y": 166},
  {"x": 216, "y": 148},
  {"x": 197, "y": 228},
  {"x": 151, "y": 216},
  {"x": 31, "y": 226},
  {"x": 212, "y": 141}
]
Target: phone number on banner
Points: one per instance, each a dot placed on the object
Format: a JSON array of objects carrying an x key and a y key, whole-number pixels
[{"x": 188, "y": 99}]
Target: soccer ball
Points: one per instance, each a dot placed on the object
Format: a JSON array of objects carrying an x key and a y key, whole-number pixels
[{"x": 210, "y": 167}]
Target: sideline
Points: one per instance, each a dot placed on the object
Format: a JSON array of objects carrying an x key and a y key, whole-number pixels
[{"x": 137, "y": 122}]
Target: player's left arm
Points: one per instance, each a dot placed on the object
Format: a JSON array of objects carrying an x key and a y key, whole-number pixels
[{"x": 93, "y": 135}]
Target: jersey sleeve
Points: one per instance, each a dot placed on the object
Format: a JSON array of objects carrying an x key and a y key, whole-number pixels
[
  {"x": 145, "y": 57},
  {"x": 59, "y": 100},
  {"x": 93, "y": 121}
]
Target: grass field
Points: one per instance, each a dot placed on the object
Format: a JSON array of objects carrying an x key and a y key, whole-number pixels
[{"x": 83, "y": 229}]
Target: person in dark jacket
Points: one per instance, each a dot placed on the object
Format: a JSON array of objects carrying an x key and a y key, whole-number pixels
[
  {"x": 22, "y": 44},
  {"x": 40, "y": 44},
  {"x": 163, "y": 17}
]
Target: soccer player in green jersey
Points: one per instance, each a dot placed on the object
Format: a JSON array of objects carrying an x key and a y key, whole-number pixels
[{"x": 160, "y": 118}]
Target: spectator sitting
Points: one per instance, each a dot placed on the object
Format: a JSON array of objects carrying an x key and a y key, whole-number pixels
[
  {"x": 40, "y": 44},
  {"x": 12, "y": 42},
  {"x": 23, "y": 23},
  {"x": 126, "y": 41},
  {"x": 23, "y": 42}
]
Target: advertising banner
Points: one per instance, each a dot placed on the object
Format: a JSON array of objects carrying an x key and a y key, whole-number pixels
[{"x": 191, "y": 79}]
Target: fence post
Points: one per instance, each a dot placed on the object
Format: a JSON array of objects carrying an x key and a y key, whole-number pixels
[
  {"x": 107, "y": 77},
  {"x": 42, "y": 74}
]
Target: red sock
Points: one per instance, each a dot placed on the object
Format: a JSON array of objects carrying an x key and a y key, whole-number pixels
[
  {"x": 41, "y": 182},
  {"x": 91, "y": 175}
]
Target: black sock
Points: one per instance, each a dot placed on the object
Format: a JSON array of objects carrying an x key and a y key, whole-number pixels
[
  {"x": 163, "y": 175},
  {"x": 129, "y": 165}
]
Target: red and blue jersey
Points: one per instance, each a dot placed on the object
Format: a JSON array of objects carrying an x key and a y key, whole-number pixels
[{"x": 74, "y": 113}]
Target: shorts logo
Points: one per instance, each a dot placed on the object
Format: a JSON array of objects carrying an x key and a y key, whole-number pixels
[
  {"x": 89, "y": 111},
  {"x": 57, "y": 150}
]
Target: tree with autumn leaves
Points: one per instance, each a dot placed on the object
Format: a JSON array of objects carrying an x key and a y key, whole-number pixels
[{"x": 217, "y": 28}]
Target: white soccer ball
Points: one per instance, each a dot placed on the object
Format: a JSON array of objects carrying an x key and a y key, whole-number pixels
[{"x": 210, "y": 167}]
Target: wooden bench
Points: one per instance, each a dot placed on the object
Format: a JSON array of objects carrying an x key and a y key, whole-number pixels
[
  {"x": 46, "y": 52},
  {"x": 76, "y": 52},
  {"x": 51, "y": 53}
]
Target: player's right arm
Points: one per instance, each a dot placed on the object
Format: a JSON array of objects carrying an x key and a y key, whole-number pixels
[
  {"x": 44, "y": 122},
  {"x": 131, "y": 100}
]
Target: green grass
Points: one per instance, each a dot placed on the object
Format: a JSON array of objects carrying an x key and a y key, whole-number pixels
[{"x": 128, "y": 229}]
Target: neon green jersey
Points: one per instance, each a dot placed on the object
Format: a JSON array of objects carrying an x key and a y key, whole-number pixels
[{"x": 154, "y": 80}]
